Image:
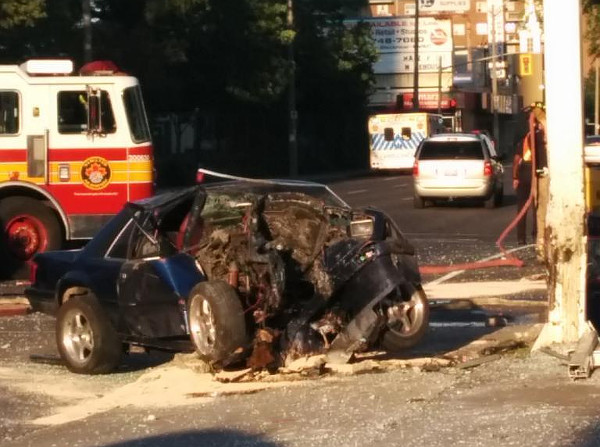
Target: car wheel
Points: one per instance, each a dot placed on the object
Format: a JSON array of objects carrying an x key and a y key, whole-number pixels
[
  {"x": 500, "y": 197},
  {"x": 491, "y": 201},
  {"x": 216, "y": 320},
  {"x": 85, "y": 337},
  {"x": 27, "y": 227},
  {"x": 418, "y": 201},
  {"x": 407, "y": 322}
]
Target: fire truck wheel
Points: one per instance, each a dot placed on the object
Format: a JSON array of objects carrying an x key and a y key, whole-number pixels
[{"x": 28, "y": 227}]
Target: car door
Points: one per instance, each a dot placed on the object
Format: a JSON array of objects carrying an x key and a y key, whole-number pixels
[{"x": 154, "y": 283}]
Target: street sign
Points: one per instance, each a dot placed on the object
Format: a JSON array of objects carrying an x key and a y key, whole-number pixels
[{"x": 525, "y": 64}]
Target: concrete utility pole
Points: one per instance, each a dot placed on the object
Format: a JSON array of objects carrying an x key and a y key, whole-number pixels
[
  {"x": 597, "y": 98},
  {"x": 416, "y": 67},
  {"x": 564, "y": 235},
  {"x": 496, "y": 126}
]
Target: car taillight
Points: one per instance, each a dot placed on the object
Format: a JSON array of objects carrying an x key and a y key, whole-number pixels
[
  {"x": 416, "y": 168},
  {"x": 487, "y": 169}
]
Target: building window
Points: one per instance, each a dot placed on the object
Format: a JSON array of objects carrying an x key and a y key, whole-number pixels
[
  {"x": 382, "y": 10},
  {"x": 459, "y": 29},
  {"x": 72, "y": 112},
  {"x": 9, "y": 113},
  {"x": 481, "y": 29}
]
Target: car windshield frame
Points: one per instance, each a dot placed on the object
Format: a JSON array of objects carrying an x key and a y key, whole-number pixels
[{"x": 265, "y": 187}]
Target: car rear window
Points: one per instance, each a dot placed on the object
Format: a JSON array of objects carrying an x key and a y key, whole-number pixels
[{"x": 451, "y": 150}]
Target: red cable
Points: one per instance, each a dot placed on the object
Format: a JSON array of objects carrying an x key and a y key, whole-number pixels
[{"x": 509, "y": 258}]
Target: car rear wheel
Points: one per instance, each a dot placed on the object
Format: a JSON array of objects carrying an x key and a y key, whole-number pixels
[
  {"x": 216, "y": 320},
  {"x": 28, "y": 227},
  {"x": 418, "y": 201},
  {"x": 407, "y": 322},
  {"x": 490, "y": 203},
  {"x": 85, "y": 337},
  {"x": 500, "y": 197}
]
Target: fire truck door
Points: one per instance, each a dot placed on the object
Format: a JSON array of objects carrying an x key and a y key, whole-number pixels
[
  {"x": 76, "y": 135},
  {"x": 36, "y": 115},
  {"x": 37, "y": 156}
]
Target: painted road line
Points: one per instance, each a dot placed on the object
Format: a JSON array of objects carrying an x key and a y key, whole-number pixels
[
  {"x": 357, "y": 191},
  {"x": 457, "y": 324}
]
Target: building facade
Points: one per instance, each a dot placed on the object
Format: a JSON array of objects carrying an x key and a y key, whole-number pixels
[{"x": 479, "y": 61}]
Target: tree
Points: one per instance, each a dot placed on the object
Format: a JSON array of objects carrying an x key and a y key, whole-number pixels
[
  {"x": 229, "y": 59},
  {"x": 57, "y": 30},
  {"x": 21, "y": 12},
  {"x": 592, "y": 27}
]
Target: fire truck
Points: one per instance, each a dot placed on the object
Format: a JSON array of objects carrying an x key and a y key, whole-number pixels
[{"x": 74, "y": 147}]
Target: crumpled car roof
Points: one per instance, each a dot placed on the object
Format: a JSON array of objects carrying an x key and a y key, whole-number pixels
[{"x": 252, "y": 186}]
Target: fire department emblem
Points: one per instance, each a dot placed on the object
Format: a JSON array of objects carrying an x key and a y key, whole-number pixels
[{"x": 95, "y": 173}]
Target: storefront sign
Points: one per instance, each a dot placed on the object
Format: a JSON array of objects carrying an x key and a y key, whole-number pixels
[
  {"x": 395, "y": 41},
  {"x": 427, "y": 6}
]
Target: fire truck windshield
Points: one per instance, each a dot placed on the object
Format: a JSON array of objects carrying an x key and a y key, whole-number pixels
[{"x": 136, "y": 116}]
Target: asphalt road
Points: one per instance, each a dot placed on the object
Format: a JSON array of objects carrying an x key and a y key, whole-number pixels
[
  {"x": 451, "y": 221},
  {"x": 404, "y": 407}
]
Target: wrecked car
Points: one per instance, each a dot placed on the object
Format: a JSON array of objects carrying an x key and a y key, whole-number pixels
[{"x": 245, "y": 270}]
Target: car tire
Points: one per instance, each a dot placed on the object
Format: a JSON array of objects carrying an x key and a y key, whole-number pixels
[
  {"x": 27, "y": 227},
  {"x": 412, "y": 324},
  {"x": 490, "y": 202},
  {"x": 499, "y": 197},
  {"x": 216, "y": 320},
  {"x": 418, "y": 201},
  {"x": 85, "y": 337}
]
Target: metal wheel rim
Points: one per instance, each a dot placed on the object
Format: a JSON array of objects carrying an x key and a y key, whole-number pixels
[
  {"x": 408, "y": 315},
  {"x": 26, "y": 236},
  {"x": 202, "y": 324},
  {"x": 78, "y": 338}
]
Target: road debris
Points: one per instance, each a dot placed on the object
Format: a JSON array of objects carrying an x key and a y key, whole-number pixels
[
  {"x": 478, "y": 361},
  {"x": 232, "y": 376},
  {"x": 581, "y": 362}
]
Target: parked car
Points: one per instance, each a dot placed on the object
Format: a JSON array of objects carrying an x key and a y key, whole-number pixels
[
  {"x": 244, "y": 270},
  {"x": 458, "y": 165}
]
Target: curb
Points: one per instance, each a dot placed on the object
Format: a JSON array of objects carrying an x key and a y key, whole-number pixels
[
  {"x": 11, "y": 306},
  {"x": 12, "y": 310}
]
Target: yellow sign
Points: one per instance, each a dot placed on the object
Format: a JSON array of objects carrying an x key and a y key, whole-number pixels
[{"x": 525, "y": 64}]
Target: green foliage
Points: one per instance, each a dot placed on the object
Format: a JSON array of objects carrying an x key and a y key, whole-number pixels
[
  {"x": 592, "y": 33},
  {"x": 233, "y": 58},
  {"x": 21, "y": 12},
  {"x": 57, "y": 32}
]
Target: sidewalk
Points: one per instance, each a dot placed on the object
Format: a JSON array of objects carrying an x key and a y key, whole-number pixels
[{"x": 12, "y": 299}]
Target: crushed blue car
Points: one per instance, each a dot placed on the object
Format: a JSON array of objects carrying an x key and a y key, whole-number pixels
[{"x": 246, "y": 271}]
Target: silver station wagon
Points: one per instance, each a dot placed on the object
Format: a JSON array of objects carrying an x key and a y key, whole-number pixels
[{"x": 458, "y": 165}]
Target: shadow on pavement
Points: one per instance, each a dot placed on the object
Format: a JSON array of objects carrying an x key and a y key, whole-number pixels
[{"x": 204, "y": 438}]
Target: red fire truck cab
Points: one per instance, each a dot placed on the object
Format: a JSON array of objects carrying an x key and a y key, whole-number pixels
[{"x": 73, "y": 149}]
